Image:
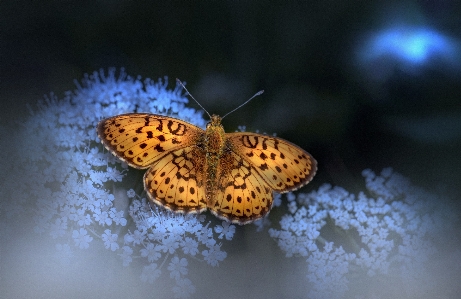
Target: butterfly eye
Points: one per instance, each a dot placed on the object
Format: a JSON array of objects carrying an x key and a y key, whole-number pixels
[{"x": 208, "y": 124}]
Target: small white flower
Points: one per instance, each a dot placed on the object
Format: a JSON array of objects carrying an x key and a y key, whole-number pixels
[
  {"x": 177, "y": 267},
  {"x": 150, "y": 273},
  {"x": 170, "y": 244},
  {"x": 81, "y": 238},
  {"x": 214, "y": 255},
  {"x": 110, "y": 240},
  {"x": 138, "y": 236},
  {"x": 130, "y": 193},
  {"x": 189, "y": 246},
  {"x": 226, "y": 229},
  {"x": 152, "y": 252}
]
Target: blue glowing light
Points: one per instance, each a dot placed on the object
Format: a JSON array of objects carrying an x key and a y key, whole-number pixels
[{"x": 414, "y": 45}]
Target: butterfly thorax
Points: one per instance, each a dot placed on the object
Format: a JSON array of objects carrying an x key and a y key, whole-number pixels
[{"x": 214, "y": 140}]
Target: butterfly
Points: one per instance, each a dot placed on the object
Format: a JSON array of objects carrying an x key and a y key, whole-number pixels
[{"x": 191, "y": 170}]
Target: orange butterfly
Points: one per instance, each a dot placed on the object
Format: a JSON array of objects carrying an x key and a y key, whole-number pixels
[{"x": 191, "y": 169}]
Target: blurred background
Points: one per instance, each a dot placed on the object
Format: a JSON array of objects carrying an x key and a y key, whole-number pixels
[{"x": 358, "y": 84}]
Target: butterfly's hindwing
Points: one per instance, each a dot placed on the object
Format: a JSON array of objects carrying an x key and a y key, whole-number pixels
[
  {"x": 242, "y": 195},
  {"x": 177, "y": 181}
]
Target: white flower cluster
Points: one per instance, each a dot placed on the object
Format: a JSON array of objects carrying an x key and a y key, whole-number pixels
[
  {"x": 73, "y": 182},
  {"x": 354, "y": 243},
  {"x": 160, "y": 232}
]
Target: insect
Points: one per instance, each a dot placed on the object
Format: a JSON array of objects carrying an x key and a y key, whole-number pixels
[{"x": 191, "y": 170}]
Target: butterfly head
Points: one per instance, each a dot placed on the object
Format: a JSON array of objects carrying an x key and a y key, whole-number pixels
[{"x": 214, "y": 122}]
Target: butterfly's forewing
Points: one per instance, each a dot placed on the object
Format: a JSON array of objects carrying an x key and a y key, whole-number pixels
[
  {"x": 140, "y": 139},
  {"x": 281, "y": 164}
]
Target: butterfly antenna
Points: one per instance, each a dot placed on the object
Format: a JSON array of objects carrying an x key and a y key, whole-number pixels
[
  {"x": 256, "y": 94},
  {"x": 188, "y": 93}
]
